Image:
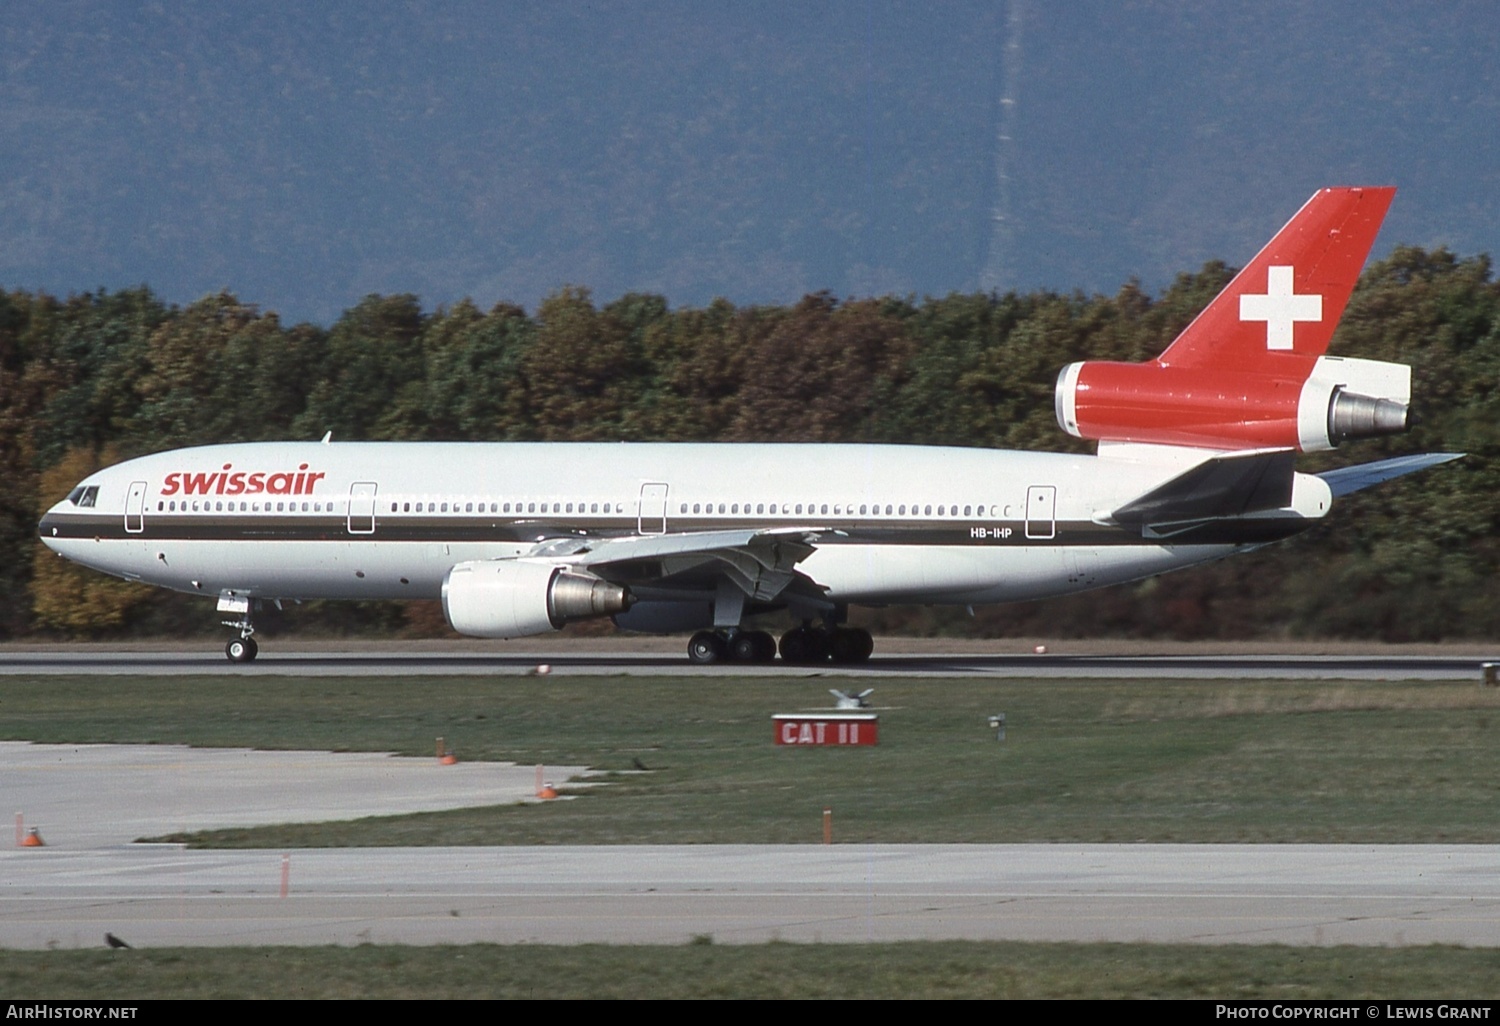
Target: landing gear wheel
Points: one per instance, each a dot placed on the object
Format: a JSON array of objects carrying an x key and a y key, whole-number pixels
[
  {"x": 752, "y": 647},
  {"x": 705, "y": 647},
  {"x": 850, "y": 644},
  {"x": 743, "y": 648},
  {"x": 241, "y": 650},
  {"x": 804, "y": 645}
]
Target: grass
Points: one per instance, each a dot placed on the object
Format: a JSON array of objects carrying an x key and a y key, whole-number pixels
[
  {"x": 948, "y": 969},
  {"x": 1177, "y": 761}
]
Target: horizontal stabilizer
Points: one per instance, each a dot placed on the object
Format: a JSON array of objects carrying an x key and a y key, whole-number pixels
[
  {"x": 1347, "y": 480},
  {"x": 1231, "y": 485}
]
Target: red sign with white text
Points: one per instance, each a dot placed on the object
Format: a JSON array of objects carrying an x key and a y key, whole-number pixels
[{"x": 828, "y": 729}]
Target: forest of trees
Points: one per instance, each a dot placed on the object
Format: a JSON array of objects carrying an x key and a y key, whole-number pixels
[{"x": 100, "y": 377}]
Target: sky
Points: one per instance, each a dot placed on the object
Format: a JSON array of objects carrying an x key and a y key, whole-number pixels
[{"x": 303, "y": 156}]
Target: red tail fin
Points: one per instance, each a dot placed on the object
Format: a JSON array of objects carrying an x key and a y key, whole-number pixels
[
  {"x": 1249, "y": 372},
  {"x": 1278, "y": 314}
]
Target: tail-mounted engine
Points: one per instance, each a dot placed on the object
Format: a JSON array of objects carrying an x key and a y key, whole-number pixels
[
  {"x": 510, "y": 599},
  {"x": 1341, "y": 399}
]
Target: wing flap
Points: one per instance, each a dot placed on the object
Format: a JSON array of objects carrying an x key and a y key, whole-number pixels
[{"x": 762, "y": 564}]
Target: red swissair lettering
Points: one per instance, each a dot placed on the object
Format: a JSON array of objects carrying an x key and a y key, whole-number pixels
[{"x": 228, "y": 481}]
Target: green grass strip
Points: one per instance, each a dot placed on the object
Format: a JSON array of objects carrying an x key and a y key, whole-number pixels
[{"x": 1088, "y": 761}]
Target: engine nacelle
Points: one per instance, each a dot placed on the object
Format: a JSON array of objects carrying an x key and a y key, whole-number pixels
[
  {"x": 1340, "y": 398},
  {"x": 512, "y": 599}
]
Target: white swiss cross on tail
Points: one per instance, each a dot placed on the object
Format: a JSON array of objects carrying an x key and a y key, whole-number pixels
[{"x": 1280, "y": 308}]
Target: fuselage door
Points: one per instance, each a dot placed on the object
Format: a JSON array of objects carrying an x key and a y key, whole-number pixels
[
  {"x": 135, "y": 508},
  {"x": 362, "y": 507},
  {"x": 652, "y": 518},
  {"x": 1041, "y": 511}
]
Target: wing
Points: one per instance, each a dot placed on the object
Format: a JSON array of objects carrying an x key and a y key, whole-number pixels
[
  {"x": 1347, "y": 480},
  {"x": 761, "y": 563}
]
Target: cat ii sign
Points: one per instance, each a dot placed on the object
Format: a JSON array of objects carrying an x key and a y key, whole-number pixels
[{"x": 827, "y": 729}]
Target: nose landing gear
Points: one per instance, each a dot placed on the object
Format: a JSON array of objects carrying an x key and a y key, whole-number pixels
[{"x": 242, "y": 649}]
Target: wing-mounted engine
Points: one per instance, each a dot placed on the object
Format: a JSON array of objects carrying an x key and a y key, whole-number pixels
[
  {"x": 513, "y": 599},
  {"x": 1332, "y": 399}
]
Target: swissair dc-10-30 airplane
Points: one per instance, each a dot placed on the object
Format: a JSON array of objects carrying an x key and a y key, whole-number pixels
[{"x": 1195, "y": 462}]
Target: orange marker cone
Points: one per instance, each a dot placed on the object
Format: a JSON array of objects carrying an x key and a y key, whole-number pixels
[
  {"x": 548, "y": 792},
  {"x": 33, "y": 839}
]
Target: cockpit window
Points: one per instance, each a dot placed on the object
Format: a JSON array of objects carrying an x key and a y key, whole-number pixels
[{"x": 84, "y": 497}]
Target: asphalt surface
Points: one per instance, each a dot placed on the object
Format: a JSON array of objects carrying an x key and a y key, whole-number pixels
[{"x": 392, "y": 661}]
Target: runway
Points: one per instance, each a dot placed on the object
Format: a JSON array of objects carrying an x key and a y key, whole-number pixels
[
  {"x": 395, "y": 659},
  {"x": 1208, "y": 894}
]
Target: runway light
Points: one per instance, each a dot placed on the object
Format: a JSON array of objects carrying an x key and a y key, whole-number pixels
[
  {"x": 543, "y": 669},
  {"x": 1040, "y": 650}
]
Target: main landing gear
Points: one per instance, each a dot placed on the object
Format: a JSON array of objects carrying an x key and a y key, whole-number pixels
[
  {"x": 736, "y": 645},
  {"x": 805, "y": 645}
]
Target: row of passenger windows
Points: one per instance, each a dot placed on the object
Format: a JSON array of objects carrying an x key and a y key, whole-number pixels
[
  {"x": 837, "y": 509},
  {"x": 506, "y": 507},
  {"x": 524, "y": 508}
]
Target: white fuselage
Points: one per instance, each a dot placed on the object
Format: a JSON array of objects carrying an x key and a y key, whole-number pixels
[{"x": 892, "y": 523}]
